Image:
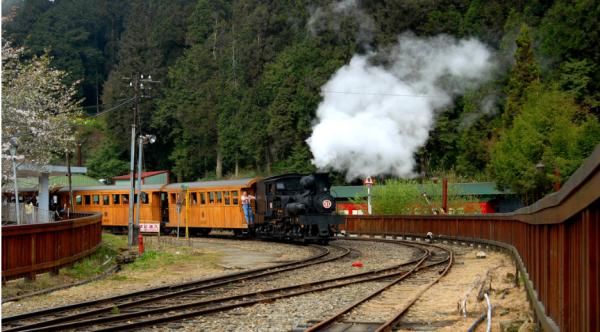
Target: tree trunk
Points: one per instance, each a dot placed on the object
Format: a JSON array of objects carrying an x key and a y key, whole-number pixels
[
  {"x": 214, "y": 50},
  {"x": 268, "y": 160},
  {"x": 219, "y": 167},
  {"x": 70, "y": 205},
  {"x": 237, "y": 166}
]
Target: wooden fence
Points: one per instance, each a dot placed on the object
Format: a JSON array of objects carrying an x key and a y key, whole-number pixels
[
  {"x": 556, "y": 242},
  {"x": 31, "y": 249}
]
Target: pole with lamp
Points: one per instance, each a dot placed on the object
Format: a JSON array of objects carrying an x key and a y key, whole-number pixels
[
  {"x": 541, "y": 168},
  {"x": 13, "y": 152},
  {"x": 142, "y": 139},
  {"x": 140, "y": 91},
  {"x": 369, "y": 183}
]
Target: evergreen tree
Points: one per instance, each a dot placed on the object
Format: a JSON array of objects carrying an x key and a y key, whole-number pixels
[
  {"x": 524, "y": 72},
  {"x": 551, "y": 130}
]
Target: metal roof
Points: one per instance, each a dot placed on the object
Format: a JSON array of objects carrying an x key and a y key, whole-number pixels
[
  {"x": 462, "y": 189},
  {"x": 144, "y": 175},
  {"x": 208, "y": 184},
  {"x": 28, "y": 184},
  {"x": 114, "y": 187}
]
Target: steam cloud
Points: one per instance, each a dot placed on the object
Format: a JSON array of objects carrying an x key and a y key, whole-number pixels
[
  {"x": 373, "y": 118},
  {"x": 331, "y": 16}
]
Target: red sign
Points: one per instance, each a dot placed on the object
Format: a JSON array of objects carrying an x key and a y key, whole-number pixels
[
  {"x": 326, "y": 203},
  {"x": 368, "y": 181}
]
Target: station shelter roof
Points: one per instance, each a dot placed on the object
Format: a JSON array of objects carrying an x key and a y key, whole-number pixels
[
  {"x": 151, "y": 177},
  {"x": 463, "y": 189},
  {"x": 32, "y": 183}
]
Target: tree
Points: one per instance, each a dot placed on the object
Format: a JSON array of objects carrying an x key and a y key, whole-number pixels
[
  {"x": 37, "y": 108},
  {"x": 551, "y": 130},
  {"x": 524, "y": 72}
]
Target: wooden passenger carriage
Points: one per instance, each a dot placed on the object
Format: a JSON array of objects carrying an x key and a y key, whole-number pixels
[
  {"x": 212, "y": 204},
  {"x": 113, "y": 203}
]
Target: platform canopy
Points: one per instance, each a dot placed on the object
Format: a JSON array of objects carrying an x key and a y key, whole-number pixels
[
  {"x": 30, "y": 170},
  {"x": 43, "y": 174}
]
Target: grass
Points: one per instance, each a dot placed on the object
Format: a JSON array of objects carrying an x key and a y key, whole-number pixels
[
  {"x": 100, "y": 260},
  {"x": 155, "y": 258}
]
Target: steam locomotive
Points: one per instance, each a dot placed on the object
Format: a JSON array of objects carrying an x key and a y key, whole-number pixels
[{"x": 296, "y": 207}]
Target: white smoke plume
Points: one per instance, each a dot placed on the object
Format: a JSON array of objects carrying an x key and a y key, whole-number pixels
[
  {"x": 373, "y": 118},
  {"x": 330, "y": 18}
]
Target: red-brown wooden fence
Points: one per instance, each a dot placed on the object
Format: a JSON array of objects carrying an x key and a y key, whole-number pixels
[
  {"x": 556, "y": 241},
  {"x": 31, "y": 249}
]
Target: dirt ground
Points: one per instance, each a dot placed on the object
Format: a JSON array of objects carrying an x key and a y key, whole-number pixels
[
  {"x": 438, "y": 308},
  {"x": 171, "y": 261}
]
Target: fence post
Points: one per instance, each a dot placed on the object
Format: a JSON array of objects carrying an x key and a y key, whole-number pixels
[{"x": 31, "y": 275}]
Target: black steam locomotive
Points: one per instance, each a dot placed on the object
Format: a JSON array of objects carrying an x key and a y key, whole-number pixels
[{"x": 296, "y": 207}]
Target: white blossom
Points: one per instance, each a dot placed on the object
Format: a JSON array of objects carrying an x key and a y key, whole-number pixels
[{"x": 38, "y": 109}]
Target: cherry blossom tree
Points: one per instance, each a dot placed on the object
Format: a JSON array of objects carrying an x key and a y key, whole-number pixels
[{"x": 38, "y": 110}]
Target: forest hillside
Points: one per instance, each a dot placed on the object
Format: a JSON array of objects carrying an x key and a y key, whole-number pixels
[{"x": 242, "y": 86}]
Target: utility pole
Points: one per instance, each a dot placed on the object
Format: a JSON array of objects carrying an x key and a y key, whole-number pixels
[
  {"x": 137, "y": 83},
  {"x": 13, "y": 152},
  {"x": 142, "y": 139}
]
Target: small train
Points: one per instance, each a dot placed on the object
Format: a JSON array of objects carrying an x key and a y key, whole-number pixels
[{"x": 290, "y": 207}]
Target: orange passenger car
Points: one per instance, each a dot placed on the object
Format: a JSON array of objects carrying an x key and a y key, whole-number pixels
[
  {"x": 211, "y": 204},
  {"x": 113, "y": 203}
]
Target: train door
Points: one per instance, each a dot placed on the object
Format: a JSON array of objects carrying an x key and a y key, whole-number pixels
[{"x": 164, "y": 209}]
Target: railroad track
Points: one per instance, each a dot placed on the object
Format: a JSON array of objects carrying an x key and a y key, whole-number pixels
[
  {"x": 382, "y": 309},
  {"x": 81, "y": 311},
  {"x": 193, "y": 304}
]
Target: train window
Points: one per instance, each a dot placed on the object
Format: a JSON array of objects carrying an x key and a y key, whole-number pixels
[
  {"x": 78, "y": 200},
  {"x": 202, "y": 198},
  {"x": 194, "y": 200},
  {"x": 96, "y": 199},
  {"x": 116, "y": 199},
  {"x": 145, "y": 198},
  {"x": 135, "y": 198},
  {"x": 234, "y": 194},
  {"x": 87, "y": 199},
  {"x": 125, "y": 199},
  {"x": 226, "y": 197},
  {"x": 280, "y": 186},
  {"x": 219, "y": 197},
  {"x": 211, "y": 197},
  {"x": 105, "y": 199},
  {"x": 173, "y": 198}
]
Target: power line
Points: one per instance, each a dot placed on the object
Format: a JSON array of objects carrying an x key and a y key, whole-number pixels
[
  {"x": 113, "y": 108},
  {"x": 383, "y": 94},
  {"x": 102, "y": 105}
]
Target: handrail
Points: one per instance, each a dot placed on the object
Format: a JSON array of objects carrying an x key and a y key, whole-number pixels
[{"x": 36, "y": 248}]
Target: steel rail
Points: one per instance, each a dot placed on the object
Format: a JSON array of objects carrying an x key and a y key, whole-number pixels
[
  {"x": 172, "y": 291},
  {"x": 324, "y": 324},
  {"x": 389, "y": 324},
  {"x": 172, "y": 312}
]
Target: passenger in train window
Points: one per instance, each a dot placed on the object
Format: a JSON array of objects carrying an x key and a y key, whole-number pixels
[{"x": 247, "y": 208}]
